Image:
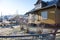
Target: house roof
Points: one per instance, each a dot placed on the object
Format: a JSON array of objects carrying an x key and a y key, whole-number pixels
[
  {"x": 57, "y": 4},
  {"x": 33, "y": 10}
]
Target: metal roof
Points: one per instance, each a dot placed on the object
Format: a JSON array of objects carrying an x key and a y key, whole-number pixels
[{"x": 56, "y": 4}]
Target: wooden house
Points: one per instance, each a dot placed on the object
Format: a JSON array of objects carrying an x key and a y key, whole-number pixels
[{"x": 47, "y": 15}]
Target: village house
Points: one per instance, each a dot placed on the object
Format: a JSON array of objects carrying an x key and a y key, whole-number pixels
[{"x": 45, "y": 14}]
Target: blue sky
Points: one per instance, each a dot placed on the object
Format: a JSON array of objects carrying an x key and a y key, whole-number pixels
[{"x": 10, "y": 7}]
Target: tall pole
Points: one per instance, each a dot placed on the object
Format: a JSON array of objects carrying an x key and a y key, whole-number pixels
[
  {"x": 17, "y": 12},
  {"x": 1, "y": 16}
]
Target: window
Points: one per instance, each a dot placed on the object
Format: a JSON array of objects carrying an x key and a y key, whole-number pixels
[{"x": 44, "y": 15}]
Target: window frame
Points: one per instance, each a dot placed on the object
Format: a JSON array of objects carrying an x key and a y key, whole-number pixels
[{"x": 46, "y": 14}]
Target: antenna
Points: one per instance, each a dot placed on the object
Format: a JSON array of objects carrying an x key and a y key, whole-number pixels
[{"x": 1, "y": 16}]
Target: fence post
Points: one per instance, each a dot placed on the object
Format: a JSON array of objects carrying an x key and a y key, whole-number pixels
[{"x": 54, "y": 34}]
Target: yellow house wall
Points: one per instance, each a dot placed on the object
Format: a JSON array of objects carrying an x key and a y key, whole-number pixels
[
  {"x": 58, "y": 16},
  {"x": 51, "y": 16}
]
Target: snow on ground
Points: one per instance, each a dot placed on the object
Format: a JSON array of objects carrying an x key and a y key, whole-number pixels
[{"x": 5, "y": 31}]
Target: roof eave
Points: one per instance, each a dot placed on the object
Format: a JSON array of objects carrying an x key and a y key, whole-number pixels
[{"x": 41, "y": 8}]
